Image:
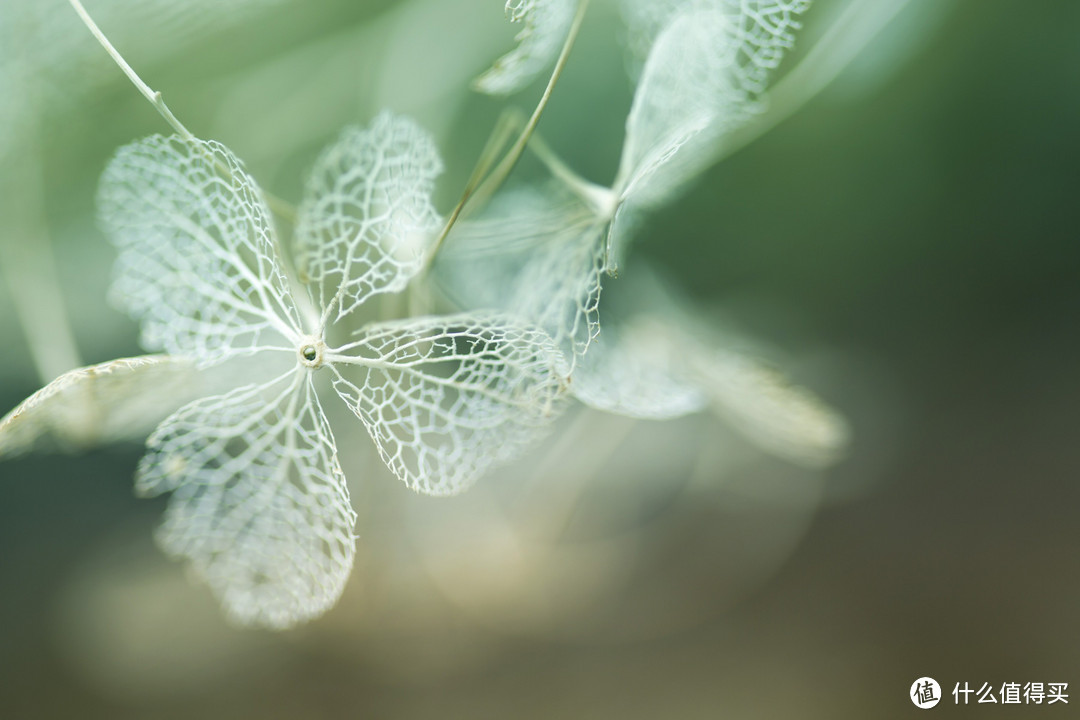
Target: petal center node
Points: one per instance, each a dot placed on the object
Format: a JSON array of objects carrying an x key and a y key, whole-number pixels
[{"x": 311, "y": 352}]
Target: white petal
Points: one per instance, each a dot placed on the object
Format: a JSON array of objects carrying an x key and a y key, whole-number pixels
[
  {"x": 626, "y": 375},
  {"x": 197, "y": 263},
  {"x": 684, "y": 97},
  {"x": 547, "y": 23},
  {"x": 448, "y": 398},
  {"x": 767, "y": 27},
  {"x": 704, "y": 75},
  {"x": 367, "y": 217},
  {"x": 783, "y": 419},
  {"x": 259, "y": 504},
  {"x": 537, "y": 255},
  {"x": 113, "y": 401}
]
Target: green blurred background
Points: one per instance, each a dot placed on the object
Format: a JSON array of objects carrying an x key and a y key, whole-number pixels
[{"x": 906, "y": 241}]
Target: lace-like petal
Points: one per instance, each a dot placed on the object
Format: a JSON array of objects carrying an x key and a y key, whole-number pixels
[
  {"x": 259, "y": 505},
  {"x": 537, "y": 255},
  {"x": 683, "y": 98},
  {"x": 546, "y": 24},
  {"x": 448, "y": 398},
  {"x": 197, "y": 263},
  {"x": 367, "y": 217},
  {"x": 113, "y": 401},
  {"x": 704, "y": 75},
  {"x": 761, "y": 30}
]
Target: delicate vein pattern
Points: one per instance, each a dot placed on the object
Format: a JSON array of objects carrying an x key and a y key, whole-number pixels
[
  {"x": 367, "y": 217},
  {"x": 448, "y": 398},
  {"x": 786, "y": 420},
  {"x": 197, "y": 263},
  {"x": 625, "y": 375},
  {"x": 760, "y": 31},
  {"x": 116, "y": 400},
  {"x": 702, "y": 79},
  {"x": 681, "y": 95},
  {"x": 259, "y": 505},
  {"x": 538, "y": 255},
  {"x": 546, "y": 24}
]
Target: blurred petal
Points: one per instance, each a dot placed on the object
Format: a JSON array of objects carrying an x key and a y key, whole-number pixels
[
  {"x": 116, "y": 400},
  {"x": 781, "y": 418},
  {"x": 625, "y": 375},
  {"x": 546, "y": 24}
]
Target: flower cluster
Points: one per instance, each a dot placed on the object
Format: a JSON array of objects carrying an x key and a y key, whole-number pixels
[{"x": 256, "y": 332}]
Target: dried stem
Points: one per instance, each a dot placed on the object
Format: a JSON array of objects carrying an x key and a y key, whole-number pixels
[
  {"x": 499, "y": 175},
  {"x": 280, "y": 207},
  {"x": 509, "y": 121},
  {"x": 478, "y": 191}
]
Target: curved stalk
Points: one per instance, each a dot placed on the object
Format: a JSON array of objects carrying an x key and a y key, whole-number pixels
[
  {"x": 506, "y": 165},
  {"x": 280, "y": 207}
]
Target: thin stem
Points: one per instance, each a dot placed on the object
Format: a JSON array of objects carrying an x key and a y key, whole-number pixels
[
  {"x": 510, "y": 120},
  {"x": 154, "y": 97},
  {"x": 483, "y": 190},
  {"x": 499, "y": 175},
  {"x": 282, "y": 208},
  {"x": 602, "y": 200}
]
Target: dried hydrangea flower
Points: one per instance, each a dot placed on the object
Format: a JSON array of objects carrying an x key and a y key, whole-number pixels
[
  {"x": 259, "y": 502},
  {"x": 704, "y": 73}
]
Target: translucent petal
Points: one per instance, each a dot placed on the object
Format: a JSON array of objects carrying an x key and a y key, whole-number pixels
[
  {"x": 197, "y": 263},
  {"x": 367, "y": 217},
  {"x": 756, "y": 399},
  {"x": 704, "y": 75},
  {"x": 117, "y": 400},
  {"x": 685, "y": 97},
  {"x": 783, "y": 419},
  {"x": 259, "y": 505},
  {"x": 761, "y": 29},
  {"x": 537, "y": 254},
  {"x": 625, "y": 375},
  {"x": 667, "y": 354},
  {"x": 547, "y": 23},
  {"x": 448, "y": 398}
]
